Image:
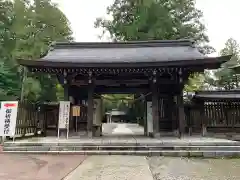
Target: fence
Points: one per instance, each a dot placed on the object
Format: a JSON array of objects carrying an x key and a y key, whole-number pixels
[
  {"x": 32, "y": 119},
  {"x": 27, "y": 119},
  {"x": 217, "y": 116}
]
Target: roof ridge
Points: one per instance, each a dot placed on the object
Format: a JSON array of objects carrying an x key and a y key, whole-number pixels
[{"x": 126, "y": 44}]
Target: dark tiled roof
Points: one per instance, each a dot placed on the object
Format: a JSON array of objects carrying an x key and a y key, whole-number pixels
[
  {"x": 114, "y": 53},
  {"x": 152, "y": 51}
]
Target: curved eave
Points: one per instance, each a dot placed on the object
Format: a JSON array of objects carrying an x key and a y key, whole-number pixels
[
  {"x": 217, "y": 95},
  {"x": 207, "y": 63},
  {"x": 236, "y": 68}
]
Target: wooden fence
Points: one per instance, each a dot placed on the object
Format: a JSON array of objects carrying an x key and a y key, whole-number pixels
[
  {"x": 27, "y": 119},
  {"x": 216, "y": 116},
  {"x": 32, "y": 119},
  {"x": 35, "y": 119}
]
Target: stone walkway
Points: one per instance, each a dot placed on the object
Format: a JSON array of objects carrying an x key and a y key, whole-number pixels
[
  {"x": 76, "y": 167},
  {"x": 168, "y": 168},
  {"x": 112, "y": 168},
  {"x": 122, "y": 129},
  {"x": 155, "y": 168}
]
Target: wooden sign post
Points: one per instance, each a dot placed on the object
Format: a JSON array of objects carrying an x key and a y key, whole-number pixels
[{"x": 76, "y": 113}]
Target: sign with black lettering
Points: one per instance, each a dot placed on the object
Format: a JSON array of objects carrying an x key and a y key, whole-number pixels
[
  {"x": 8, "y": 117},
  {"x": 64, "y": 114}
]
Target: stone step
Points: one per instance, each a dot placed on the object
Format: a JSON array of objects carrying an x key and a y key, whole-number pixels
[
  {"x": 172, "y": 153},
  {"x": 116, "y": 143},
  {"x": 72, "y": 147}
]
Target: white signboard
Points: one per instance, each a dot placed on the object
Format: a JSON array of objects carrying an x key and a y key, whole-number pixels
[
  {"x": 8, "y": 118},
  {"x": 97, "y": 116},
  {"x": 64, "y": 112},
  {"x": 149, "y": 118}
]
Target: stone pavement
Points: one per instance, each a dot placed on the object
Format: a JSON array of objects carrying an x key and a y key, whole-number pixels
[
  {"x": 155, "y": 168},
  {"x": 112, "y": 168},
  {"x": 169, "y": 168},
  {"x": 76, "y": 167},
  {"x": 37, "y": 167},
  {"x": 122, "y": 129}
]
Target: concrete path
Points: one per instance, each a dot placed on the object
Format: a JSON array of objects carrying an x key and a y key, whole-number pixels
[
  {"x": 112, "y": 168},
  {"x": 122, "y": 129}
]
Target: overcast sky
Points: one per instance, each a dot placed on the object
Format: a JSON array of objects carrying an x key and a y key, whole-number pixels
[{"x": 221, "y": 18}]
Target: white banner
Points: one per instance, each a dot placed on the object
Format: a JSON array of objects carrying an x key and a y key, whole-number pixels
[
  {"x": 97, "y": 114},
  {"x": 149, "y": 118},
  {"x": 8, "y": 118},
  {"x": 64, "y": 113}
]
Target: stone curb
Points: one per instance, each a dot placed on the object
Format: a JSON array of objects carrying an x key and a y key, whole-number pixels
[{"x": 204, "y": 154}]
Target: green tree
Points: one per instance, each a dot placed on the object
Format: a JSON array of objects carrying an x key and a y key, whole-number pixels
[
  {"x": 225, "y": 77},
  {"x": 150, "y": 19},
  {"x": 195, "y": 83},
  {"x": 27, "y": 29},
  {"x": 9, "y": 84}
]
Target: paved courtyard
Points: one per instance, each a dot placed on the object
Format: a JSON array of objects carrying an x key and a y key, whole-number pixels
[
  {"x": 76, "y": 167},
  {"x": 79, "y": 167}
]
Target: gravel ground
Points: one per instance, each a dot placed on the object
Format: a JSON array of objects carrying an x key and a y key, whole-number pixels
[{"x": 167, "y": 168}]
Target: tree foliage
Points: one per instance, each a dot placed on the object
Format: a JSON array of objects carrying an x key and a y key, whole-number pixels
[
  {"x": 27, "y": 28},
  {"x": 155, "y": 20},
  {"x": 225, "y": 78}
]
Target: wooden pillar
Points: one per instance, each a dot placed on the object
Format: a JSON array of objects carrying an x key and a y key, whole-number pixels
[
  {"x": 174, "y": 114},
  {"x": 181, "y": 115},
  {"x": 90, "y": 106},
  {"x": 169, "y": 111},
  {"x": 203, "y": 118},
  {"x": 145, "y": 118},
  {"x": 155, "y": 115},
  {"x": 65, "y": 87},
  {"x": 180, "y": 105}
]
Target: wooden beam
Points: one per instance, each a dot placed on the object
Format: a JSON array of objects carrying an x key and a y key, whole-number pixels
[
  {"x": 132, "y": 82},
  {"x": 111, "y": 82}
]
